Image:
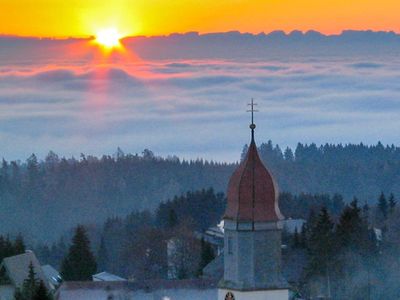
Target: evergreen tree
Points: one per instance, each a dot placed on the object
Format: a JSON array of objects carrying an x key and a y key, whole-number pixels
[
  {"x": 8, "y": 247},
  {"x": 382, "y": 208},
  {"x": 303, "y": 236},
  {"x": 79, "y": 264},
  {"x": 321, "y": 245},
  {"x": 207, "y": 255},
  {"x": 102, "y": 255},
  {"x": 365, "y": 212},
  {"x": 30, "y": 284},
  {"x": 42, "y": 293},
  {"x": 288, "y": 155},
  {"x": 352, "y": 230},
  {"x": 19, "y": 245},
  {"x": 392, "y": 203},
  {"x": 356, "y": 249},
  {"x": 172, "y": 218},
  {"x": 18, "y": 294}
]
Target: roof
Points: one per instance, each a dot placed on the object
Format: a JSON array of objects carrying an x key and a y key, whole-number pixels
[
  {"x": 215, "y": 269},
  {"x": 215, "y": 232},
  {"x": 17, "y": 268},
  {"x": 194, "y": 289},
  {"x": 252, "y": 191},
  {"x": 292, "y": 224},
  {"x": 52, "y": 275},
  {"x": 148, "y": 285},
  {"x": 105, "y": 276}
]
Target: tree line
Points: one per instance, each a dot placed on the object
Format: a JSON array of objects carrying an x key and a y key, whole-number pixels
[
  {"x": 351, "y": 170},
  {"x": 90, "y": 189}
]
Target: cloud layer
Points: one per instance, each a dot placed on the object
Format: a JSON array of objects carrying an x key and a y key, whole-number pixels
[{"x": 193, "y": 108}]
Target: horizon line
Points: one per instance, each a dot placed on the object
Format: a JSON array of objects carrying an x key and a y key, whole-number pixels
[{"x": 199, "y": 33}]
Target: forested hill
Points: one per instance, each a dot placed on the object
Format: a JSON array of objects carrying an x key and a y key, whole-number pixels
[
  {"x": 47, "y": 197},
  {"x": 57, "y": 193},
  {"x": 351, "y": 170}
]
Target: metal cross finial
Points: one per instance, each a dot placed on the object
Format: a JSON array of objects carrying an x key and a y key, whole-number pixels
[{"x": 252, "y": 110}]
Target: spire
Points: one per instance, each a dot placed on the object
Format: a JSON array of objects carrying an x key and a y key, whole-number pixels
[
  {"x": 252, "y": 192},
  {"x": 252, "y": 125}
]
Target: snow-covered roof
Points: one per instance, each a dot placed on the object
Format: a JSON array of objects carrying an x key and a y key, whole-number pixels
[
  {"x": 52, "y": 275},
  {"x": 17, "y": 268},
  {"x": 105, "y": 276},
  {"x": 145, "y": 290},
  {"x": 292, "y": 224}
]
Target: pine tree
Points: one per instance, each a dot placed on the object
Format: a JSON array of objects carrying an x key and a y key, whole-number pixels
[
  {"x": 207, "y": 255},
  {"x": 8, "y": 247},
  {"x": 172, "y": 219},
  {"x": 392, "y": 203},
  {"x": 356, "y": 248},
  {"x": 19, "y": 245},
  {"x": 102, "y": 255},
  {"x": 352, "y": 229},
  {"x": 365, "y": 212},
  {"x": 382, "y": 208},
  {"x": 79, "y": 264},
  {"x": 303, "y": 236},
  {"x": 42, "y": 293},
  {"x": 18, "y": 294},
  {"x": 30, "y": 284},
  {"x": 288, "y": 155},
  {"x": 321, "y": 244}
]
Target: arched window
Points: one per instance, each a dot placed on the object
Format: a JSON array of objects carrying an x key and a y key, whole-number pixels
[{"x": 229, "y": 296}]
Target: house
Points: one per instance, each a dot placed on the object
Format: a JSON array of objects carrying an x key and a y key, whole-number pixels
[
  {"x": 14, "y": 270},
  {"x": 215, "y": 237}
]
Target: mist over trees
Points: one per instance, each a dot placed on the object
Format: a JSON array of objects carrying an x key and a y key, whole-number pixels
[
  {"x": 44, "y": 198},
  {"x": 136, "y": 246},
  {"x": 62, "y": 192},
  {"x": 350, "y": 170},
  {"x": 346, "y": 251},
  {"x": 354, "y": 256}
]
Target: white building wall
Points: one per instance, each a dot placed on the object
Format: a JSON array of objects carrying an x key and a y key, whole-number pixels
[
  {"x": 256, "y": 295},
  {"x": 7, "y": 292}
]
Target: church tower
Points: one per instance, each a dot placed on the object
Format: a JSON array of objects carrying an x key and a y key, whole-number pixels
[{"x": 252, "y": 251}]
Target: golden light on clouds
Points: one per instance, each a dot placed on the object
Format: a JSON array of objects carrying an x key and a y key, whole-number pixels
[{"x": 109, "y": 38}]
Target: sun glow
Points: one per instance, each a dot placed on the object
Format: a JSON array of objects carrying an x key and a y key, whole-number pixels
[{"x": 109, "y": 38}]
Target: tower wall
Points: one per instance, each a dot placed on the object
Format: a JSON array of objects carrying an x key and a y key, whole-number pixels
[
  {"x": 283, "y": 294},
  {"x": 252, "y": 257},
  {"x": 252, "y": 250}
]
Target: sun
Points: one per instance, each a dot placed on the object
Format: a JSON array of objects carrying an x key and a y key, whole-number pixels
[{"x": 109, "y": 38}]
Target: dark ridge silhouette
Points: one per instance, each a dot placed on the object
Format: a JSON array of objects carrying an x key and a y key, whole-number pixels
[{"x": 44, "y": 198}]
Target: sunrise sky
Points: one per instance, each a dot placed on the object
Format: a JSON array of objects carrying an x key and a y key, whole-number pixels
[{"x": 61, "y": 18}]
